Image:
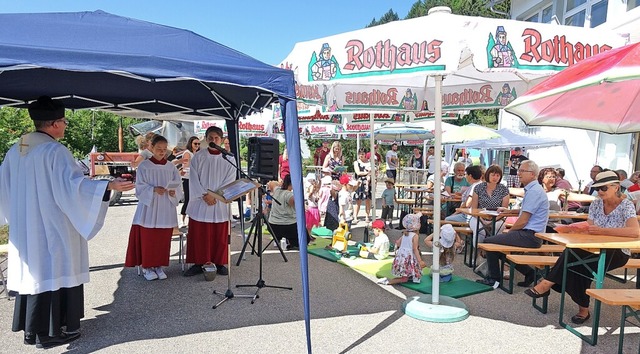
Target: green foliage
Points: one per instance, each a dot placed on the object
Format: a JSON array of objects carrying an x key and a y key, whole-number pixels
[
  {"x": 4, "y": 234},
  {"x": 485, "y": 117},
  {"x": 86, "y": 129},
  {"x": 390, "y": 16},
  {"x": 460, "y": 7}
]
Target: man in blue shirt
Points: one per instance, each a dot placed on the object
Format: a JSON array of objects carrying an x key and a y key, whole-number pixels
[{"x": 533, "y": 217}]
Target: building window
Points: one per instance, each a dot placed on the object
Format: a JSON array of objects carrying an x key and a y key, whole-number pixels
[
  {"x": 542, "y": 16},
  {"x": 577, "y": 11}
]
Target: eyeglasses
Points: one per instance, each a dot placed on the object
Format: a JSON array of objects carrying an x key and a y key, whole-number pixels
[
  {"x": 601, "y": 188},
  {"x": 521, "y": 171},
  {"x": 64, "y": 120}
]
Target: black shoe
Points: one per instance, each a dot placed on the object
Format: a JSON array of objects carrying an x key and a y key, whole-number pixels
[
  {"x": 46, "y": 342},
  {"x": 579, "y": 319},
  {"x": 29, "y": 338},
  {"x": 236, "y": 217},
  {"x": 194, "y": 270},
  {"x": 535, "y": 294},
  {"x": 489, "y": 282},
  {"x": 529, "y": 278},
  {"x": 222, "y": 270},
  {"x": 399, "y": 228}
]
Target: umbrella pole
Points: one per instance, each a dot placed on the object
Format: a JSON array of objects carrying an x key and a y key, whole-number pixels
[
  {"x": 374, "y": 172},
  {"x": 434, "y": 308}
]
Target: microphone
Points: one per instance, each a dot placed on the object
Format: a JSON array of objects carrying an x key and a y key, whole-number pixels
[{"x": 220, "y": 148}]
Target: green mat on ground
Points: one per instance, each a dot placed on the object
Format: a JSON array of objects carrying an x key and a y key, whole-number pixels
[
  {"x": 456, "y": 288},
  {"x": 318, "y": 249},
  {"x": 321, "y": 232}
]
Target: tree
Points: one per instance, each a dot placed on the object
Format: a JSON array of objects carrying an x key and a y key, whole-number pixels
[
  {"x": 390, "y": 16},
  {"x": 461, "y": 7}
]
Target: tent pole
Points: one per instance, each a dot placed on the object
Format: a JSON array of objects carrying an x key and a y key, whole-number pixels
[{"x": 374, "y": 171}]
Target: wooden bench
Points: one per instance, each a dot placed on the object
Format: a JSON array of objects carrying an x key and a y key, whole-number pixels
[
  {"x": 629, "y": 299},
  {"x": 540, "y": 263},
  {"x": 506, "y": 249},
  {"x": 633, "y": 263}
]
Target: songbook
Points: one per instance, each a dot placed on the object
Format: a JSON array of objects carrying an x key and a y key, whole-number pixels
[{"x": 234, "y": 190}]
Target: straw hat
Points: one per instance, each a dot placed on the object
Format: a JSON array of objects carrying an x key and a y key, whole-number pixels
[{"x": 606, "y": 177}]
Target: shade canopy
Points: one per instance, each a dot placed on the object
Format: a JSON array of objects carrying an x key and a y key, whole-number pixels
[
  {"x": 601, "y": 93},
  {"x": 508, "y": 139},
  {"x": 130, "y": 67}
]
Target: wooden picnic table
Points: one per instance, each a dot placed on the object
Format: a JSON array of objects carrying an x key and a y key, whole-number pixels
[{"x": 594, "y": 244}]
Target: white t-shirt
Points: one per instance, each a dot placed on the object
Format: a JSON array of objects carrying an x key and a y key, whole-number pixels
[
  {"x": 390, "y": 164},
  {"x": 381, "y": 243},
  {"x": 345, "y": 201}
]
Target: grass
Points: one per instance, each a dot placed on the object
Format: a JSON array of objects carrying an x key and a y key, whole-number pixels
[{"x": 4, "y": 234}]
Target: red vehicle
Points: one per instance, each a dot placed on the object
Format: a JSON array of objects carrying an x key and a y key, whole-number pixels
[{"x": 110, "y": 165}]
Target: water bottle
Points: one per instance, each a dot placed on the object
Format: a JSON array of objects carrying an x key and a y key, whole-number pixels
[{"x": 283, "y": 243}]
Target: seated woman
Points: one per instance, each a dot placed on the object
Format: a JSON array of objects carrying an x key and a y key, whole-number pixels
[
  {"x": 282, "y": 216},
  {"x": 611, "y": 214},
  {"x": 490, "y": 194}
]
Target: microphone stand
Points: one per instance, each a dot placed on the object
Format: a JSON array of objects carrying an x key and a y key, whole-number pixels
[{"x": 260, "y": 283}]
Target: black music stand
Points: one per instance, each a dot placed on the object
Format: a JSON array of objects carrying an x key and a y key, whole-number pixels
[
  {"x": 257, "y": 226},
  {"x": 228, "y": 194}
]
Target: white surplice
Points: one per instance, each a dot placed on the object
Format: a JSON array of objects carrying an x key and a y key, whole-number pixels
[
  {"x": 209, "y": 172},
  {"x": 154, "y": 210},
  {"x": 52, "y": 210}
]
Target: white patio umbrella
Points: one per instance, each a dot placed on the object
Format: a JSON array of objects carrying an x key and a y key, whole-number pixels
[
  {"x": 400, "y": 66},
  {"x": 402, "y": 131}
]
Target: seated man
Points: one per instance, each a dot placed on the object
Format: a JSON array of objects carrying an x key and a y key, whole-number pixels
[{"x": 533, "y": 217}]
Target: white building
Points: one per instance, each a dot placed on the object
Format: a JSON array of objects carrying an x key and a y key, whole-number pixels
[{"x": 587, "y": 147}]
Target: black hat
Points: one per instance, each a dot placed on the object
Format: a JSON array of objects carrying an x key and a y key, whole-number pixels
[{"x": 46, "y": 109}]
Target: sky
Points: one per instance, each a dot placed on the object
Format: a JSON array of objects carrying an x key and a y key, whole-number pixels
[{"x": 265, "y": 30}]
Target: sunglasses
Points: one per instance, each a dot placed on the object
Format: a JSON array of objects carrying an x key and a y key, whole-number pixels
[
  {"x": 196, "y": 143},
  {"x": 601, "y": 188}
]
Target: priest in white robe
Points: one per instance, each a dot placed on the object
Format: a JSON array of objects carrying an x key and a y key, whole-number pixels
[
  {"x": 52, "y": 210},
  {"x": 208, "y": 218}
]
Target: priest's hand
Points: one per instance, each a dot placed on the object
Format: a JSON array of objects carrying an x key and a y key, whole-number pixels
[
  {"x": 159, "y": 190},
  {"x": 172, "y": 192},
  {"x": 120, "y": 185}
]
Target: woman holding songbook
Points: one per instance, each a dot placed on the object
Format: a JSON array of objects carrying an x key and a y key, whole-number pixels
[{"x": 158, "y": 189}]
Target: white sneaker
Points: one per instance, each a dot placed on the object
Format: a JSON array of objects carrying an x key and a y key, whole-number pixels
[
  {"x": 383, "y": 281},
  {"x": 149, "y": 274},
  {"x": 160, "y": 273}
]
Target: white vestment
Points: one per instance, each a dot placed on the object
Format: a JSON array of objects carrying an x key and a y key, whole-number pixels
[
  {"x": 209, "y": 172},
  {"x": 52, "y": 210},
  {"x": 154, "y": 210}
]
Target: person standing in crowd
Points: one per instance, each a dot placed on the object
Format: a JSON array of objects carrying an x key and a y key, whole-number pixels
[
  {"x": 282, "y": 217},
  {"x": 610, "y": 214},
  {"x": 362, "y": 168},
  {"x": 533, "y": 217},
  {"x": 592, "y": 174},
  {"x": 392, "y": 161},
  {"x": 283, "y": 164},
  {"x": 193, "y": 145},
  {"x": 145, "y": 153},
  {"x": 53, "y": 210},
  {"x": 514, "y": 163},
  {"x": 158, "y": 192},
  {"x": 465, "y": 159},
  {"x": 416, "y": 160},
  {"x": 431, "y": 162},
  {"x": 376, "y": 156},
  {"x": 334, "y": 160},
  {"x": 208, "y": 218},
  {"x": 321, "y": 153}
]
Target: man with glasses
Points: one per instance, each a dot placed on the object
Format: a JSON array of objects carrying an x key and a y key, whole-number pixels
[
  {"x": 533, "y": 217},
  {"x": 53, "y": 210}
]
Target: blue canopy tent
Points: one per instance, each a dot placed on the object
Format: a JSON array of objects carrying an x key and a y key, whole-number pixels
[{"x": 96, "y": 60}]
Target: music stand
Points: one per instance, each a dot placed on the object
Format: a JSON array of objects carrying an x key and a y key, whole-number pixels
[
  {"x": 227, "y": 194},
  {"x": 257, "y": 223}
]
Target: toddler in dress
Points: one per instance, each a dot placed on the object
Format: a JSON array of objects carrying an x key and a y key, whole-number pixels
[{"x": 408, "y": 263}]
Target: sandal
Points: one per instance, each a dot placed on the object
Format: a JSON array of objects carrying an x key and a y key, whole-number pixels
[{"x": 532, "y": 292}]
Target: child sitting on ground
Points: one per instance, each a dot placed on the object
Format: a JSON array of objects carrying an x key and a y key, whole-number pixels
[
  {"x": 449, "y": 241},
  {"x": 388, "y": 198},
  {"x": 408, "y": 263},
  {"x": 380, "y": 248}
]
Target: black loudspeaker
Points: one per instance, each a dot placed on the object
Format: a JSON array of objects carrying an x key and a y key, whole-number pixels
[{"x": 264, "y": 153}]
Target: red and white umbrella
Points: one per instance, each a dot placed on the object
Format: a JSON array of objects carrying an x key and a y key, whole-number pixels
[{"x": 599, "y": 93}]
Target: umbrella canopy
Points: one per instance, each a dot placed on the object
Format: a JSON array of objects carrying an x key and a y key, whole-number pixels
[
  {"x": 402, "y": 131},
  {"x": 600, "y": 93},
  {"x": 469, "y": 132},
  {"x": 508, "y": 139}
]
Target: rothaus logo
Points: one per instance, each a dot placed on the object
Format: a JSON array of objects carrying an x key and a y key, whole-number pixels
[
  {"x": 468, "y": 96},
  {"x": 557, "y": 49},
  {"x": 384, "y": 55}
]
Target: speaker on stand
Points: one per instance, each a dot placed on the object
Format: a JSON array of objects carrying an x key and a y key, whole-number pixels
[{"x": 264, "y": 153}]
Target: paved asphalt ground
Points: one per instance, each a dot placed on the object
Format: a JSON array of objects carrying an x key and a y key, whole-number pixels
[{"x": 349, "y": 311}]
